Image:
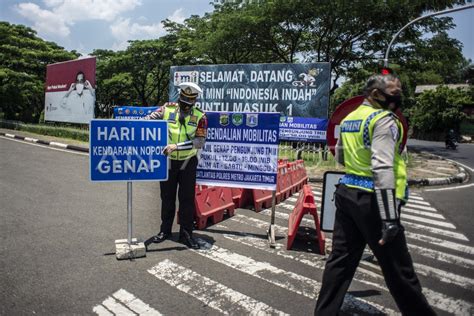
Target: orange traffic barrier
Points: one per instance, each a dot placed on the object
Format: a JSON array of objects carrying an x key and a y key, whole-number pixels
[
  {"x": 305, "y": 205},
  {"x": 284, "y": 184},
  {"x": 212, "y": 203},
  {"x": 263, "y": 199}
]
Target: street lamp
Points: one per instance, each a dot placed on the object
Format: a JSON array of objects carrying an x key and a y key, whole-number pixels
[{"x": 385, "y": 61}]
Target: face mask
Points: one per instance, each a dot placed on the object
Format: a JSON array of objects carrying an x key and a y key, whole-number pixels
[
  {"x": 391, "y": 102},
  {"x": 79, "y": 87},
  {"x": 184, "y": 107}
]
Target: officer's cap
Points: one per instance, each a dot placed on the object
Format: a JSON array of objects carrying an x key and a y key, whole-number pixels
[{"x": 189, "y": 89}]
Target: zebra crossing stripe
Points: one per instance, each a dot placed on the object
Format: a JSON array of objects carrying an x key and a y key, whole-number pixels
[
  {"x": 441, "y": 275},
  {"x": 135, "y": 304},
  {"x": 442, "y": 256},
  {"x": 419, "y": 198},
  {"x": 291, "y": 281},
  {"x": 441, "y": 242},
  {"x": 421, "y": 207},
  {"x": 426, "y": 221},
  {"x": 435, "y": 299},
  {"x": 213, "y": 294},
  {"x": 444, "y": 276},
  {"x": 438, "y": 231},
  {"x": 421, "y": 202},
  {"x": 428, "y": 214},
  {"x": 124, "y": 303},
  {"x": 116, "y": 308}
]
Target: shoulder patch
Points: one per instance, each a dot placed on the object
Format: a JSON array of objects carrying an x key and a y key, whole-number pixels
[
  {"x": 170, "y": 104},
  {"x": 394, "y": 131}
]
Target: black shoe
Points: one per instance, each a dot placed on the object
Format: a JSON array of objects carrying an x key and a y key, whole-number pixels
[
  {"x": 188, "y": 240},
  {"x": 161, "y": 237}
]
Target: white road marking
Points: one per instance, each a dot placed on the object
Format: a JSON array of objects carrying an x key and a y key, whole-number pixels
[
  {"x": 135, "y": 304},
  {"x": 210, "y": 292},
  {"x": 287, "y": 280},
  {"x": 436, "y": 299},
  {"x": 115, "y": 307},
  {"x": 427, "y": 221},
  {"x": 442, "y": 256},
  {"x": 101, "y": 311},
  {"x": 440, "y": 242},
  {"x": 47, "y": 147},
  {"x": 438, "y": 231},
  {"x": 124, "y": 303},
  {"x": 427, "y": 214},
  {"x": 444, "y": 276},
  {"x": 461, "y": 164},
  {"x": 421, "y": 207},
  {"x": 415, "y": 198},
  {"x": 418, "y": 202},
  {"x": 441, "y": 275},
  {"x": 451, "y": 188}
]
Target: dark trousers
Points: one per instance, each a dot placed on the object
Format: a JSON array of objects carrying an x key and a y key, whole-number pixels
[
  {"x": 182, "y": 174},
  {"x": 358, "y": 223}
]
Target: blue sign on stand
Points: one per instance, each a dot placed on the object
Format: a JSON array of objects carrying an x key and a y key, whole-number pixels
[
  {"x": 304, "y": 129},
  {"x": 133, "y": 112},
  {"x": 241, "y": 151},
  {"x": 128, "y": 150}
]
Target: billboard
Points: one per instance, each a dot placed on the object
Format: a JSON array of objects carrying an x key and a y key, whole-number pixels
[
  {"x": 289, "y": 89},
  {"x": 70, "y": 91},
  {"x": 241, "y": 151}
]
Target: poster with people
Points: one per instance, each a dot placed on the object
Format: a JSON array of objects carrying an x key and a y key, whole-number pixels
[
  {"x": 295, "y": 90},
  {"x": 70, "y": 91}
]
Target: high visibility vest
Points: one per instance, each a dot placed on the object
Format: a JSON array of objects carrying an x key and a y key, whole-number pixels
[
  {"x": 356, "y": 133},
  {"x": 178, "y": 133}
]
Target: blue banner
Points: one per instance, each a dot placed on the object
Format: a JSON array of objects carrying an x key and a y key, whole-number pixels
[
  {"x": 128, "y": 150},
  {"x": 289, "y": 89},
  {"x": 305, "y": 129},
  {"x": 241, "y": 151},
  {"x": 133, "y": 112}
]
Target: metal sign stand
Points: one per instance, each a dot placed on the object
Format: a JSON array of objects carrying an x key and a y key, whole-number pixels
[
  {"x": 129, "y": 211},
  {"x": 271, "y": 229},
  {"x": 129, "y": 248}
]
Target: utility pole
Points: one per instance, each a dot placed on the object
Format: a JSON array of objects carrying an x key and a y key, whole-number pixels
[{"x": 385, "y": 61}]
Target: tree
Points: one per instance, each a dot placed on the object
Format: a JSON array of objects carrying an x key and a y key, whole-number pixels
[
  {"x": 23, "y": 60},
  {"x": 438, "y": 110},
  {"x": 137, "y": 75}
]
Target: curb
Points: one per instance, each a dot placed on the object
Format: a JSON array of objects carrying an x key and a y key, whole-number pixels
[
  {"x": 459, "y": 178},
  {"x": 52, "y": 144}
]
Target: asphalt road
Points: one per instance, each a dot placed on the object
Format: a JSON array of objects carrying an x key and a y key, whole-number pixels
[
  {"x": 57, "y": 252},
  {"x": 456, "y": 202}
]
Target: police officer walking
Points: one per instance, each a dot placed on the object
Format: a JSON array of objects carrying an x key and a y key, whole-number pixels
[
  {"x": 369, "y": 200},
  {"x": 187, "y": 130}
]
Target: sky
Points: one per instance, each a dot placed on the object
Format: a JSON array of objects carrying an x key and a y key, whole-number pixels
[{"x": 85, "y": 25}]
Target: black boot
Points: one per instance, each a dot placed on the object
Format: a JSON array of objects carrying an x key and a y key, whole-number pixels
[
  {"x": 188, "y": 240},
  {"x": 161, "y": 237}
]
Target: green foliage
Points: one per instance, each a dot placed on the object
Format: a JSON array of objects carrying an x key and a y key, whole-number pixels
[
  {"x": 438, "y": 110},
  {"x": 23, "y": 60},
  {"x": 138, "y": 75}
]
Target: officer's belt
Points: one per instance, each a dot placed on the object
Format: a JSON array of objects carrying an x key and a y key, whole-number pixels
[{"x": 358, "y": 181}]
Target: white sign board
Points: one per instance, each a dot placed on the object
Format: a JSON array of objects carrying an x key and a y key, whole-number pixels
[{"x": 328, "y": 205}]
